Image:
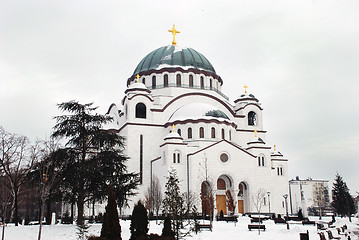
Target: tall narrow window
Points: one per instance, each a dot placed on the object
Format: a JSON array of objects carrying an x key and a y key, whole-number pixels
[
  {"x": 178, "y": 158},
  {"x": 144, "y": 81},
  {"x": 259, "y": 161},
  {"x": 210, "y": 83},
  {"x": 178, "y": 80},
  {"x": 189, "y": 132},
  {"x": 179, "y": 132},
  {"x": 153, "y": 82},
  {"x": 201, "y": 132},
  {"x": 165, "y": 80},
  {"x": 222, "y": 133},
  {"x": 202, "y": 83},
  {"x": 230, "y": 135},
  {"x": 140, "y": 110},
  {"x": 213, "y": 132},
  {"x": 174, "y": 157},
  {"x": 141, "y": 159},
  {"x": 191, "y": 80},
  {"x": 262, "y": 161},
  {"x": 252, "y": 118}
]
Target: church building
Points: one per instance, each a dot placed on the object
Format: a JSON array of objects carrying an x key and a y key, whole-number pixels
[{"x": 173, "y": 115}]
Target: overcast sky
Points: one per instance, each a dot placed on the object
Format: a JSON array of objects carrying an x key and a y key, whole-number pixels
[{"x": 299, "y": 58}]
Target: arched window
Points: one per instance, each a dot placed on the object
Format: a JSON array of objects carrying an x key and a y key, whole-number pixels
[
  {"x": 178, "y": 80},
  {"x": 144, "y": 80},
  {"x": 261, "y": 161},
  {"x": 189, "y": 132},
  {"x": 202, "y": 83},
  {"x": 252, "y": 118},
  {"x": 223, "y": 133},
  {"x": 174, "y": 157},
  {"x": 165, "y": 80},
  {"x": 211, "y": 83},
  {"x": 153, "y": 82},
  {"x": 140, "y": 110},
  {"x": 191, "y": 80},
  {"x": 221, "y": 184},
  {"x": 213, "y": 132},
  {"x": 179, "y": 132},
  {"x": 178, "y": 158},
  {"x": 201, "y": 132}
]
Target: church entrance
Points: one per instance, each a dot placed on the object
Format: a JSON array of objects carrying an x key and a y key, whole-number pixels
[
  {"x": 240, "y": 207},
  {"x": 242, "y": 197},
  {"x": 221, "y": 204}
]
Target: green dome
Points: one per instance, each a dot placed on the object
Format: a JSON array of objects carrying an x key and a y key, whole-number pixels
[{"x": 174, "y": 56}]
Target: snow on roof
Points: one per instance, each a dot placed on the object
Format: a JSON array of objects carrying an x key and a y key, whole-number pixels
[{"x": 137, "y": 85}]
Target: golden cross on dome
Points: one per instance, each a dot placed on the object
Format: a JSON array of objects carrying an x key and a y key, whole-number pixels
[
  {"x": 275, "y": 147},
  {"x": 255, "y": 133},
  {"x": 173, "y": 128},
  {"x": 174, "y": 32},
  {"x": 245, "y": 88},
  {"x": 138, "y": 78}
]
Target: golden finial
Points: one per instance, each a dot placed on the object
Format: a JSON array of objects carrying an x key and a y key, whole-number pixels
[
  {"x": 255, "y": 133},
  {"x": 174, "y": 32},
  {"x": 138, "y": 78},
  {"x": 173, "y": 128},
  {"x": 245, "y": 88},
  {"x": 275, "y": 148}
]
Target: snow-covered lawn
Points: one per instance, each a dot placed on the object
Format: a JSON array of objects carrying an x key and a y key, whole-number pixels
[{"x": 221, "y": 231}]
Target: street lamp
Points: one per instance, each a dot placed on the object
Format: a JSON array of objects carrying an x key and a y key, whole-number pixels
[
  {"x": 286, "y": 208},
  {"x": 268, "y": 193}
]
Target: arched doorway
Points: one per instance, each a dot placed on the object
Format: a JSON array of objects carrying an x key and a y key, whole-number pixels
[
  {"x": 206, "y": 198},
  {"x": 242, "y": 197},
  {"x": 224, "y": 190}
]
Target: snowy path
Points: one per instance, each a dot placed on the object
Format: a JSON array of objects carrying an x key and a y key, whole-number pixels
[{"x": 221, "y": 230}]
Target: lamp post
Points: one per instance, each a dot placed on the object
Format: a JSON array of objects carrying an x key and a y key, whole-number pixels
[
  {"x": 268, "y": 193},
  {"x": 286, "y": 208}
]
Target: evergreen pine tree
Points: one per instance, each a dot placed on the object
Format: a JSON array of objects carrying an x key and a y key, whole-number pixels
[
  {"x": 139, "y": 221},
  {"x": 111, "y": 228},
  {"x": 343, "y": 202},
  {"x": 173, "y": 203}
]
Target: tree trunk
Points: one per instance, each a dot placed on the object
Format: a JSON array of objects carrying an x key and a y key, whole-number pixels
[
  {"x": 48, "y": 211},
  {"x": 72, "y": 212},
  {"x": 16, "y": 209},
  {"x": 3, "y": 224},
  {"x": 80, "y": 209},
  {"x": 40, "y": 221}
]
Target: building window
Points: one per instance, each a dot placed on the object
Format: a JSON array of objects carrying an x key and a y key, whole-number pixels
[
  {"x": 230, "y": 135},
  {"x": 222, "y": 133},
  {"x": 178, "y": 158},
  {"x": 202, "y": 83},
  {"x": 154, "y": 82},
  {"x": 141, "y": 159},
  {"x": 178, "y": 80},
  {"x": 140, "y": 110},
  {"x": 213, "y": 132},
  {"x": 179, "y": 132},
  {"x": 165, "y": 81},
  {"x": 210, "y": 83},
  {"x": 201, "y": 132},
  {"x": 144, "y": 81},
  {"x": 221, "y": 184},
  {"x": 252, "y": 118},
  {"x": 280, "y": 171},
  {"x": 224, "y": 157},
  {"x": 191, "y": 80},
  {"x": 261, "y": 161},
  {"x": 189, "y": 132},
  {"x": 174, "y": 157}
]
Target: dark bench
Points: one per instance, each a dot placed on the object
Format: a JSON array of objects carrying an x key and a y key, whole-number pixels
[
  {"x": 203, "y": 226},
  {"x": 307, "y": 222},
  {"x": 228, "y": 219},
  {"x": 256, "y": 226},
  {"x": 256, "y": 220},
  {"x": 321, "y": 235},
  {"x": 279, "y": 220}
]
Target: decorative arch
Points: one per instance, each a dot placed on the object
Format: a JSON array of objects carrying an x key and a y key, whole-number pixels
[
  {"x": 165, "y": 80},
  {"x": 178, "y": 80},
  {"x": 140, "y": 111}
]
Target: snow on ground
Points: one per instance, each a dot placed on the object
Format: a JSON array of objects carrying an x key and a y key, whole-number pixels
[{"x": 221, "y": 230}]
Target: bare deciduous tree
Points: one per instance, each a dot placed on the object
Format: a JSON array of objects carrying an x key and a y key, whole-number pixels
[
  {"x": 258, "y": 201},
  {"x": 15, "y": 162},
  {"x": 153, "y": 197}
]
